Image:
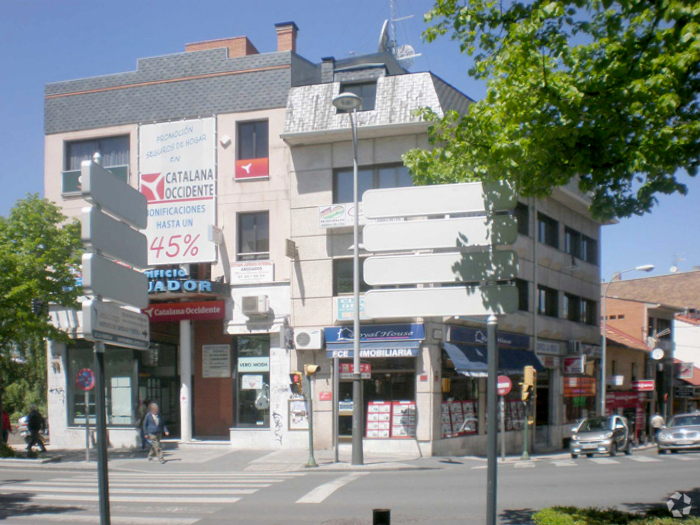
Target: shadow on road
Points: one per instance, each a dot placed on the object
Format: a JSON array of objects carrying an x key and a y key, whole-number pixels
[
  {"x": 517, "y": 516},
  {"x": 19, "y": 504},
  {"x": 661, "y": 509}
]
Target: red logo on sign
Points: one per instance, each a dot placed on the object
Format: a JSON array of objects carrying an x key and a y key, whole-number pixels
[
  {"x": 252, "y": 168},
  {"x": 196, "y": 311},
  {"x": 153, "y": 186}
]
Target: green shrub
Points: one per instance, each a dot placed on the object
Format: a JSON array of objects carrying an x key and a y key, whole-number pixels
[
  {"x": 6, "y": 451},
  {"x": 592, "y": 516}
]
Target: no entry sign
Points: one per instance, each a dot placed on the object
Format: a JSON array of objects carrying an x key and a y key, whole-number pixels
[
  {"x": 504, "y": 386},
  {"x": 85, "y": 379}
]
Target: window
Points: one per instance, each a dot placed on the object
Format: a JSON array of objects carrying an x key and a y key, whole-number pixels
[
  {"x": 572, "y": 307},
  {"x": 572, "y": 242},
  {"x": 613, "y": 367},
  {"x": 367, "y": 91},
  {"x": 115, "y": 157},
  {"x": 589, "y": 313},
  {"x": 396, "y": 176},
  {"x": 523, "y": 294},
  {"x": 548, "y": 302},
  {"x": 522, "y": 215},
  {"x": 342, "y": 277},
  {"x": 252, "y": 140},
  {"x": 253, "y": 236},
  {"x": 633, "y": 373},
  {"x": 548, "y": 230},
  {"x": 252, "y": 406},
  {"x": 589, "y": 250}
]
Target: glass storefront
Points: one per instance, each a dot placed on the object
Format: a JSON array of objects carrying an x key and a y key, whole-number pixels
[
  {"x": 159, "y": 382},
  {"x": 252, "y": 380}
]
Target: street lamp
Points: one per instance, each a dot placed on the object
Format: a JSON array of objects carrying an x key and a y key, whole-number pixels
[
  {"x": 350, "y": 103},
  {"x": 616, "y": 276}
]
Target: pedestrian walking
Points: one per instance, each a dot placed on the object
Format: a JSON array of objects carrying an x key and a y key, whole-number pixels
[
  {"x": 6, "y": 426},
  {"x": 154, "y": 428},
  {"x": 35, "y": 424},
  {"x": 657, "y": 423}
]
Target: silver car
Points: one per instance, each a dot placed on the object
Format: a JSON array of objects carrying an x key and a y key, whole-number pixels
[
  {"x": 681, "y": 433},
  {"x": 601, "y": 435}
]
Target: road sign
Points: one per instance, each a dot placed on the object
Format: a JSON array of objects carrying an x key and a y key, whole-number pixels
[
  {"x": 111, "y": 280},
  {"x": 446, "y": 199},
  {"x": 102, "y": 188},
  {"x": 102, "y": 233},
  {"x": 645, "y": 385},
  {"x": 440, "y": 233},
  {"x": 114, "y": 325},
  {"x": 441, "y": 302},
  {"x": 85, "y": 379},
  {"x": 504, "y": 385},
  {"x": 440, "y": 268}
]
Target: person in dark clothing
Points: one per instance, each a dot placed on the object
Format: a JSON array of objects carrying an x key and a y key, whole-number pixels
[
  {"x": 6, "y": 425},
  {"x": 143, "y": 412},
  {"x": 154, "y": 427},
  {"x": 35, "y": 424}
]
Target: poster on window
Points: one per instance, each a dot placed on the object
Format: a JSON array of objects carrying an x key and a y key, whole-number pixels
[
  {"x": 298, "y": 416},
  {"x": 177, "y": 174}
]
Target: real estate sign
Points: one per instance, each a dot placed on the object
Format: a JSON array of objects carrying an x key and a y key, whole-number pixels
[{"x": 177, "y": 174}]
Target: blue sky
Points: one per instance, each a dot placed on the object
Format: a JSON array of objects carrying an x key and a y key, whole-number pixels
[{"x": 45, "y": 41}]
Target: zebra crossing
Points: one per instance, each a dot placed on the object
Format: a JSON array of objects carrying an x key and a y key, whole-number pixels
[
  {"x": 606, "y": 461},
  {"x": 135, "y": 498}
]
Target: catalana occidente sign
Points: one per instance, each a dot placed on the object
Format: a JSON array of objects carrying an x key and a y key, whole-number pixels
[{"x": 177, "y": 174}]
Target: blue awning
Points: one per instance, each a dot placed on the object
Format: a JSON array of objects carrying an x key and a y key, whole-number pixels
[
  {"x": 471, "y": 360},
  {"x": 374, "y": 349}
]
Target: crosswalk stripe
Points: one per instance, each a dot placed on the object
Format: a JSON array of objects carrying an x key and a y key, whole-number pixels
[
  {"x": 117, "y": 520},
  {"x": 169, "y": 480},
  {"x": 128, "y": 484},
  {"x": 644, "y": 459},
  {"x": 137, "y": 499},
  {"x": 684, "y": 458},
  {"x": 524, "y": 464},
  {"x": 565, "y": 463},
  {"x": 320, "y": 493},
  {"x": 604, "y": 461},
  {"x": 133, "y": 490}
]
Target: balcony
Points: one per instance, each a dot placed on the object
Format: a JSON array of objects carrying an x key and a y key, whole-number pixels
[{"x": 71, "y": 179}]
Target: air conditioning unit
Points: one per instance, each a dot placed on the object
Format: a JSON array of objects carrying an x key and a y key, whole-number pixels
[
  {"x": 575, "y": 348},
  {"x": 308, "y": 338},
  {"x": 255, "y": 305}
]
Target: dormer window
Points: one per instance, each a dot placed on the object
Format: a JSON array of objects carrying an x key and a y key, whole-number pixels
[{"x": 367, "y": 91}]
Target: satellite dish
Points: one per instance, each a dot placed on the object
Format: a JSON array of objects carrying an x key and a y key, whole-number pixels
[
  {"x": 657, "y": 354},
  {"x": 383, "y": 38},
  {"x": 674, "y": 269},
  {"x": 405, "y": 54}
]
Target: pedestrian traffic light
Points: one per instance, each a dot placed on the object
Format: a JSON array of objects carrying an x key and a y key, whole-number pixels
[
  {"x": 528, "y": 384},
  {"x": 295, "y": 382},
  {"x": 311, "y": 369},
  {"x": 37, "y": 306}
]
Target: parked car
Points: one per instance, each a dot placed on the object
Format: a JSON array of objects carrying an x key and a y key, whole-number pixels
[
  {"x": 601, "y": 435},
  {"x": 681, "y": 433}
]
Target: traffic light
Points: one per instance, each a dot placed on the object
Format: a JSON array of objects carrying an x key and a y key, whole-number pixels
[
  {"x": 528, "y": 384},
  {"x": 37, "y": 306},
  {"x": 295, "y": 382},
  {"x": 311, "y": 369}
]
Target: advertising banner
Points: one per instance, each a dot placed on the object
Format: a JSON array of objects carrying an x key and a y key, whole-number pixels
[
  {"x": 252, "y": 272},
  {"x": 177, "y": 174},
  {"x": 579, "y": 387},
  {"x": 195, "y": 311}
]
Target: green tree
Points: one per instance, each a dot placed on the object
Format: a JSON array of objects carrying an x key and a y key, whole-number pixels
[
  {"x": 39, "y": 251},
  {"x": 600, "y": 91}
]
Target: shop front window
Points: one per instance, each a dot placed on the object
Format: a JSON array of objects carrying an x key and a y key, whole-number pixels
[
  {"x": 120, "y": 378},
  {"x": 252, "y": 381},
  {"x": 159, "y": 382}
]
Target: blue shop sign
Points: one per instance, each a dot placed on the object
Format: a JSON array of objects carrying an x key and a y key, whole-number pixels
[
  {"x": 178, "y": 280},
  {"x": 478, "y": 336},
  {"x": 376, "y": 333}
]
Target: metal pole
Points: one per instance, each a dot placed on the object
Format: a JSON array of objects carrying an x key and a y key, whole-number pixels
[
  {"x": 604, "y": 346},
  {"x": 311, "y": 463},
  {"x": 87, "y": 426},
  {"x": 492, "y": 427},
  {"x": 336, "y": 422},
  {"x": 357, "y": 453},
  {"x": 526, "y": 431},
  {"x": 503, "y": 429},
  {"x": 101, "y": 432}
]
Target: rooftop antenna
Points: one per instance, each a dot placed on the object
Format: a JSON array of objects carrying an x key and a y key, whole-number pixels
[
  {"x": 676, "y": 259},
  {"x": 404, "y": 54}
]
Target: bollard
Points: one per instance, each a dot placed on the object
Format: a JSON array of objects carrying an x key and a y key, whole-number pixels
[{"x": 381, "y": 517}]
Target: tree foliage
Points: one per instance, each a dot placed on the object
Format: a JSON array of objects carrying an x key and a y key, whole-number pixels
[
  {"x": 39, "y": 251},
  {"x": 604, "y": 92}
]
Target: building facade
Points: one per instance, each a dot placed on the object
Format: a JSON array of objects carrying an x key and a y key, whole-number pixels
[{"x": 247, "y": 168}]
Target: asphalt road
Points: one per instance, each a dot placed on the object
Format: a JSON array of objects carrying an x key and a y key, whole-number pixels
[{"x": 442, "y": 491}]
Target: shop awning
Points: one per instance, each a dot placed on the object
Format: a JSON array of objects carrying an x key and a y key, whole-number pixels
[
  {"x": 374, "y": 349},
  {"x": 471, "y": 360}
]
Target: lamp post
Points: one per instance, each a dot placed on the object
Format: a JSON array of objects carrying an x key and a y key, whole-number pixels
[
  {"x": 351, "y": 103},
  {"x": 643, "y": 268}
]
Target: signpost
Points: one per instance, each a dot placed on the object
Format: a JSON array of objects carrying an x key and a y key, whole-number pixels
[
  {"x": 112, "y": 236},
  {"x": 503, "y": 386},
  {"x": 440, "y": 230},
  {"x": 86, "y": 382}
]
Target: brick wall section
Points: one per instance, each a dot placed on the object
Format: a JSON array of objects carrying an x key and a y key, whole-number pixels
[
  {"x": 287, "y": 36},
  {"x": 238, "y": 46},
  {"x": 634, "y": 321}
]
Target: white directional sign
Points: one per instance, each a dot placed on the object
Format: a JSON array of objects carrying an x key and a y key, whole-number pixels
[
  {"x": 440, "y": 233},
  {"x": 445, "y": 199},
  {"x": 102, "y": 188},
  {"x": 104, "y": 234},
  {"x": 111, "y": 280},
  {"x": 440, "y": 268},
  {"x": 441, "y": 302},
  {"x": 114, "y": 325}
]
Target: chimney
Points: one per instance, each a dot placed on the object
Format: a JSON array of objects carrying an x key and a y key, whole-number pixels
[
  {"x": 327, "y": 70},
  {"x": 287, "y": 36},
  {"x": 238, "y": 46}
]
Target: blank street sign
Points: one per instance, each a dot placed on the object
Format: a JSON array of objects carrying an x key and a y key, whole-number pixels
[
  {"x": 441, "y": 302},
  {"x": 111, "y": 280},
  {"x": 102, "y": 188},
  {"x": 102, "y": 233},
  {"x": 440, "y": 268},
  {"x": 441, "y": 199},
  {"x": 440, "y": 233}
]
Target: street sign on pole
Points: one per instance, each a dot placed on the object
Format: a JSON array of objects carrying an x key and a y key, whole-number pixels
[
  {"x": 114, "y": 325},
  {"x": 441, "y": 199},
  {"x": 504, "y": 385},
  {"x": 104, "y": 234},
  {"x": 441, "y": 302},
  {"x": 440, "y": 268},
  {"x": 111, "y": 280}
]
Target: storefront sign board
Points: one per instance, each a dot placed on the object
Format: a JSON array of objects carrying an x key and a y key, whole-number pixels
[
  {"x": 579, "y": 387},
  {"x": 477, "y": 336},
  {"x": 644, "y": 385},
  {"x": 575, "y": 364},
  {"x": 252, "y": 272},
  {"x": 216, "y": 361},
  {"x": 194, "y": 311},
  {"x": 376, "y": 332},
  {"x": 253, "y": 364},
  {"x": 347, "y": 370},
  {"x": 344, "y": 308}
]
